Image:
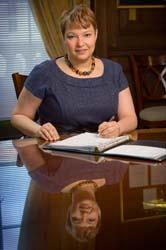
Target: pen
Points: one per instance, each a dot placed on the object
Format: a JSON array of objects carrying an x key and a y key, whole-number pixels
[{"x": 112, "y": 118}]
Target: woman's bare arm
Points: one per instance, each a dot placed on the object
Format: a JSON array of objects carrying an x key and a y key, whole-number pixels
[
  {"x": 126, "y": 112},
  {"x": 127, "y": 119},
  {"x": 23, "y": 118}
]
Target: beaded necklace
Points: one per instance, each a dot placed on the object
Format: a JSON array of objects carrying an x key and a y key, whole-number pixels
[
  {"x": 77, "y": 71},
  {"x": 82, "y": 183}
]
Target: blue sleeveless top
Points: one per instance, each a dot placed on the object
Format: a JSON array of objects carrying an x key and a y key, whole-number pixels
[{"x": 71, "y": 103}]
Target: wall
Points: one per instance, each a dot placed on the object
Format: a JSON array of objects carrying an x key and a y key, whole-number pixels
[{"x": 126, "y": 31}]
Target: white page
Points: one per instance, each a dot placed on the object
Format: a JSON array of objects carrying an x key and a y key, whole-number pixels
[
  {"x": 87, "y": 140},
  {"x": 81, "y": 140},
  {"x": 137, "y": 151}
]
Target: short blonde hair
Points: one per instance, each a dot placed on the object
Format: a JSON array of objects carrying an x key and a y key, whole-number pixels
[{"x": 79, "y": 16}]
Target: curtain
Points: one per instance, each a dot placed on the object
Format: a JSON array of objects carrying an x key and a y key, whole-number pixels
[{"x": 47, "y": 14}]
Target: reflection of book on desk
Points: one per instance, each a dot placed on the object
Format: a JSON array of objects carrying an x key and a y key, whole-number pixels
[
  {"x": 96, "y": 159},
  {"x": 87, "y": 143}
]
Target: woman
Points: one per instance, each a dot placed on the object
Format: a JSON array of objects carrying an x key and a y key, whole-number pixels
[{"x": 77, "y": 91}]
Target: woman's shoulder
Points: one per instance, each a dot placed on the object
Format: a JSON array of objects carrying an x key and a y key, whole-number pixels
[
  {"x": 44, "y": 65},
  {"x": 109, "y": 62},
  {"x": 111, "y": 67},
  {"x": 39, "y": 75},
  {"x": 42, "y": 71}
]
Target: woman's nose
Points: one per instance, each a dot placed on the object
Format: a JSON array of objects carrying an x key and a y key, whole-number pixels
[{"x": 80, "y": 41}]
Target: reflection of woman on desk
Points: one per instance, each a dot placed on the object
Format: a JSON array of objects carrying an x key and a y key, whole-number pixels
[{"x": 78, "y": 177}]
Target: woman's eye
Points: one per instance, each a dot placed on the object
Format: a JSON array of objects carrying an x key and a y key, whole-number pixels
[
  {"x": 70, "y": 37},
  {"x": 91, "y": 220},
  {"x": 88, "y": 35},
  {"x": 76, "y": 221}
]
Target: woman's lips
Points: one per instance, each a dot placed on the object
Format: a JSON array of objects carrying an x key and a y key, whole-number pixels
[
  {"x": 82, "y": 51},
  {"x": 85, "y": 206}
]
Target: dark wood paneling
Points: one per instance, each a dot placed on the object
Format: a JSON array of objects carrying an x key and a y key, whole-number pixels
[{"x": 119, "y": 35}]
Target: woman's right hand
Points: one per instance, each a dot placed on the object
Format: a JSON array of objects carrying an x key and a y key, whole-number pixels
[{"x": 48, "y": 132}]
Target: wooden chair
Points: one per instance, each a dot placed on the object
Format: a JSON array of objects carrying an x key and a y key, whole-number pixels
[
  {"x": 7, "y": 131},
  {"x": 18, "y": 80},
  {"x": 149, "y": 75}
]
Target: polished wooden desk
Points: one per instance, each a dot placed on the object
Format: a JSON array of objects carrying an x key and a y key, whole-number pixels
[{"x": 33, "y": 208}]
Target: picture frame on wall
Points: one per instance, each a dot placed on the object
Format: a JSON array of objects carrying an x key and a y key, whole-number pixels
[{"x": 122, "y": 4}]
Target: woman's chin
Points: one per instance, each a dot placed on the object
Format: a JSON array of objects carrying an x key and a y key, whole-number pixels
[{"x": 82, "y": 56}]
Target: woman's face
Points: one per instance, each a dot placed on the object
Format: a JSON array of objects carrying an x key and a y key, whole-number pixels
[
  {"x": 80, "y": 43},
  {"x": 84, "y": 211}
]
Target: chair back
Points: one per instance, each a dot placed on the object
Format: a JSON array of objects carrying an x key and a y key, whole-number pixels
[
  {"x": 18, "y": 80},
  {"x": 149, "y": 75}
]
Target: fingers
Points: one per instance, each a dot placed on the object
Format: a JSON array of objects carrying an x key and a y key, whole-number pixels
[
  {"x": 48, "y": 132},
  {"x": 102, "y": 127},
  {"x": 109, "y": 129}
]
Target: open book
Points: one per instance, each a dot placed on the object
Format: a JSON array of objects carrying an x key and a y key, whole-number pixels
[
  {"x": 138, "y": 151},
  {"x": 87, "y": 143},
  {"x": 91, "y": 143}
]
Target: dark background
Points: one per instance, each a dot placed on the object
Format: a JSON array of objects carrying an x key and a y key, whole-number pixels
[{"x": 141, "y": 2}]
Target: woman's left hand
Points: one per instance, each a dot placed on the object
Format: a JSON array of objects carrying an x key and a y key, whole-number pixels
[{"x": 109, "y": 129}]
